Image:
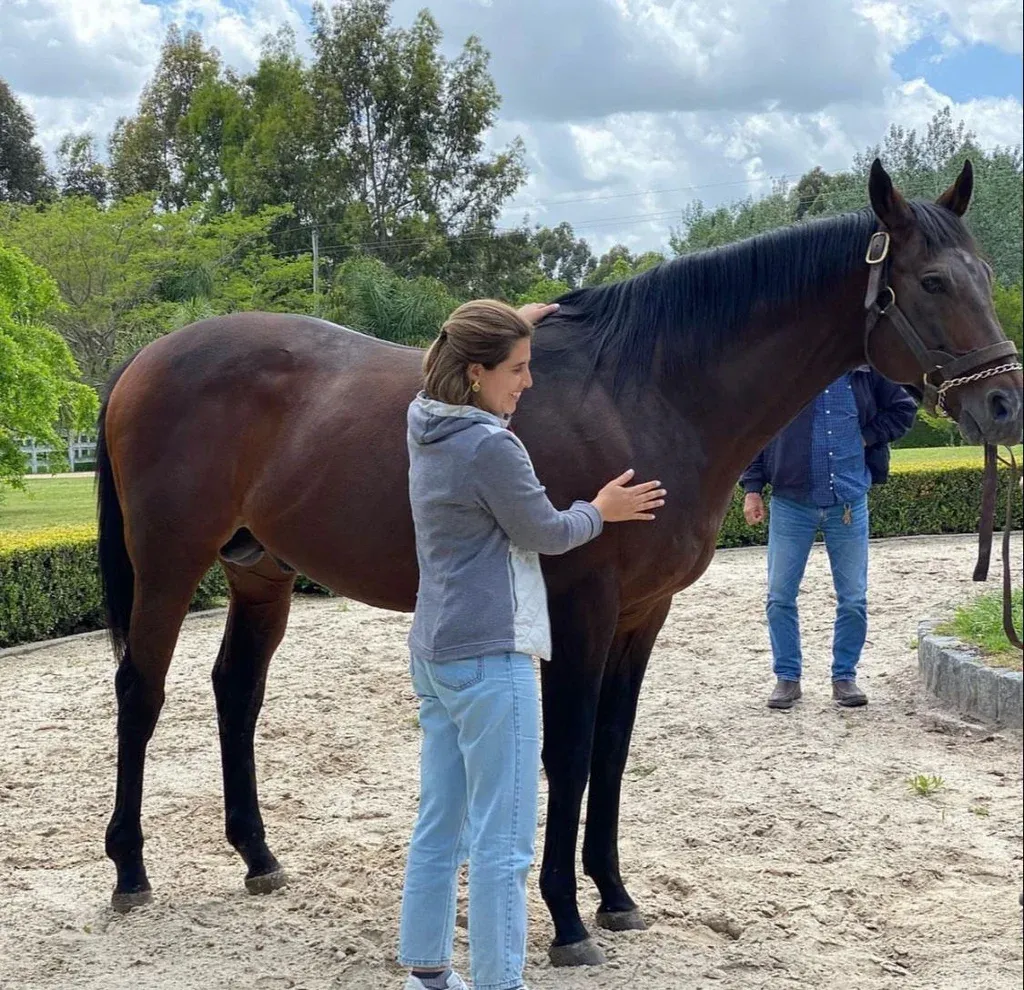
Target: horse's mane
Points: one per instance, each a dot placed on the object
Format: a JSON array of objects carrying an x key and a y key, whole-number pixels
[{"x": 694, "y": 306}]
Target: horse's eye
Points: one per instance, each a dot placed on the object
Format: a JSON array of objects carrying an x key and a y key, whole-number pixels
[{"x": 932, "y": 283}]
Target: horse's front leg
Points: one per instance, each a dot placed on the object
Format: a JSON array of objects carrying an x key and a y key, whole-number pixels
[
  {"x": 582, "y": 627},
  {"x": 616, "y": 713}
]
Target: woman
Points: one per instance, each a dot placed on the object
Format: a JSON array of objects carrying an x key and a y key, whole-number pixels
[{"x": 481, "y": 519}]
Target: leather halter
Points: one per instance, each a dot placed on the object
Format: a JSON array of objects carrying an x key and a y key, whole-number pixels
[
  {"x": 949, "y": 371},
  {"x": 941, "y": 370}
]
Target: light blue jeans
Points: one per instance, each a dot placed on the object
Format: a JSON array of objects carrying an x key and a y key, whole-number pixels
[
  {"x": 791, "y": 530},
  {"x": 479, "y": 779}
]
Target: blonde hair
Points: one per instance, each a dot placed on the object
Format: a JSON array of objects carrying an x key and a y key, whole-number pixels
[{"x": 482, "y": 331}]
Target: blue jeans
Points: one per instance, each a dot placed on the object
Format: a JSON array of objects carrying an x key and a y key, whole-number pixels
[
  {"x": 791, "y": 530},
  {"x": 479, "y": 781}
]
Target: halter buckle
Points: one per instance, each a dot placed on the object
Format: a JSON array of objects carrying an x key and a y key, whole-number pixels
[{"x": 878, "y": 248}]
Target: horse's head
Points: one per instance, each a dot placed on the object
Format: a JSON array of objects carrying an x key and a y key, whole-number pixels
[{"x": 930, "y": 317}]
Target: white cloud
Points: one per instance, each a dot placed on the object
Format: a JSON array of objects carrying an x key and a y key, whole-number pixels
[
  {"x": 953, "y": 22},
  {"x": 640, "y": 105},
  {"x": 627, "y": 178},
  {"x": 236, "y": 31},
  {"x": 587, "y": 59},
  {"x": 81, "y": 64},
  {"x": 78, "y": 48}
]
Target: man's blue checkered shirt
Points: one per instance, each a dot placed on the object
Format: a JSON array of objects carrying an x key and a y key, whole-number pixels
[{"x": 838, "y": 472}]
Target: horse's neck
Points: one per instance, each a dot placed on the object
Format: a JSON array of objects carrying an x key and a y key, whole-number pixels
[{"x": 785, "y": 360}]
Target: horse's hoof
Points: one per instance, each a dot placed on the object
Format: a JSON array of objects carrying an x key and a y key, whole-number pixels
[
  {"x": 123, "y": 901},
  {"x": 266, "y": 882},
  {"x": 585, "y": 953},
  {"x": 621, "y": 921}
]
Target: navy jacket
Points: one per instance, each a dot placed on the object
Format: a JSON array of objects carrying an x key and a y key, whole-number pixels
[{"x": 886, "y": 413}]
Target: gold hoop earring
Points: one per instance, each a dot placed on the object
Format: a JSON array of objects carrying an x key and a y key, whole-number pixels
[{"x": 475, "y": 386}]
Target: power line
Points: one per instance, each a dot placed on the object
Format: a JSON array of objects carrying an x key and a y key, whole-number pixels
[{"x": 537, "y": 204}]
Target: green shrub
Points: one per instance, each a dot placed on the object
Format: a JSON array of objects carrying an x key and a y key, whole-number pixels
[
  {"x": 50, "y": 585},
  {"x": 931, "y": 431},
  {"x": 980, "y": 622},
  {"x": 915, "y": 501}
]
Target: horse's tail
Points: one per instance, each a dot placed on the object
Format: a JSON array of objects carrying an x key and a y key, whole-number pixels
[{"x": 116, "y": 571}]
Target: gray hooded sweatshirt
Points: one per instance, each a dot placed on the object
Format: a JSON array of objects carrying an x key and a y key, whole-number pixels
[{"x": 481, "y": 519}]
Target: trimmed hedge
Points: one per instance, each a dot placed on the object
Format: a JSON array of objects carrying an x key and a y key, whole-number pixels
[
  {"x": 49, "y": 582},
  {"x": 917, "y": 500},
  {"x": 50, "y": 585}
]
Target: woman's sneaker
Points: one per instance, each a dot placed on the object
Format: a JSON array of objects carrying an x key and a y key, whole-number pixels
[{"x": 453, "y": 982}]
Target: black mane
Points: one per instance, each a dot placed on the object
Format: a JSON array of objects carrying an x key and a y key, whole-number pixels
[{"x": 696, "y": 305}]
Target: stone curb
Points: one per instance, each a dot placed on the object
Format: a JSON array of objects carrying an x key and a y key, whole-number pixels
[
  {"x": 42, "y": 644},
  {"x": 953, "y": 673}
]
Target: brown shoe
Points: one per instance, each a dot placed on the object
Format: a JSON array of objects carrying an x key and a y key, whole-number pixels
[
  {"x": 847, "y": 694},
  {"x": 785, "y": 695}
]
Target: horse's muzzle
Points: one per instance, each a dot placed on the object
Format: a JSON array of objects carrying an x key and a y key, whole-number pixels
[{"x": 994, "y": 415}]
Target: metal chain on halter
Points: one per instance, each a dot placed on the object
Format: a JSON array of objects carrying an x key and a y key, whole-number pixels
[{"x": 940, "y": 404}]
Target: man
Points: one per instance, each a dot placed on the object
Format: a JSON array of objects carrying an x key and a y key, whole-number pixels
[{"x": 820, "y": 468}]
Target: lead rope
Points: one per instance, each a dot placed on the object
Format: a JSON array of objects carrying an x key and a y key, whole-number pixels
[{"x": 987, "y": 526}]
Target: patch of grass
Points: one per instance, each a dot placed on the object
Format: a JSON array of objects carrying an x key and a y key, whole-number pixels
[
  {"x": 932, "y": 458},
  {"x": 924, "y": 785},
  {"x": 641, "y": 769},
  {"x": 49, "y": 503},
  {"x": 980, "y": 623}
]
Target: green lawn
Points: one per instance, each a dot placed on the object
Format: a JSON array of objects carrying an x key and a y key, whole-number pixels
[
  {"x": 49, "y": 502},
  {"x": 945, "y": 456},
  {"x": 71, "y": 501}
]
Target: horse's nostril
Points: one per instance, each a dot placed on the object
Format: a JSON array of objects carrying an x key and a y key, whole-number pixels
[{"x": 1000, "y": 407}]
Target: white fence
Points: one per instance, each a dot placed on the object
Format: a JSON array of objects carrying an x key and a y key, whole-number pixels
[{"x": 81, "y": 450}]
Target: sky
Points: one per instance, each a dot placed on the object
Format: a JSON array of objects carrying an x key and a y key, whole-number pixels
[{"x": 629, "y": 109}]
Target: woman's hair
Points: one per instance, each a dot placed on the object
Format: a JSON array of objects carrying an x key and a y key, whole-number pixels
[{"x": 483, "y": 331}]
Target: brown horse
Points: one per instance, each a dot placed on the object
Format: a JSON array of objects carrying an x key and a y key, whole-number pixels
[{"x": 277, "y": 443}]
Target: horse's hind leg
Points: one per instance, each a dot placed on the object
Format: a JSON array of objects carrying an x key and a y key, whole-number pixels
[
  {"x": 162, "y": 595},
  {"x": 260, "y": 599}
]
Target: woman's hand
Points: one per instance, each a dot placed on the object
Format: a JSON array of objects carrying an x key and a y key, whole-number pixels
[
  {"x": 533, "y": 313},
  {"x": 617, "y": 503}
]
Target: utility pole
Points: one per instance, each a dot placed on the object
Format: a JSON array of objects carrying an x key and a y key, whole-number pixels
[{"x": 316, "y": 271}]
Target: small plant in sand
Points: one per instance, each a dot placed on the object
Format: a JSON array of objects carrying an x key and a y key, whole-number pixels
[
  {"x": 925, "y": 785},
  {"x": 641, "y": 769}
]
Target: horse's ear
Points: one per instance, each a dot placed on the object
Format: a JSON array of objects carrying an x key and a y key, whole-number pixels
[
  {"x": 889, "y": 205},
  {"x": 958, "y": 196}
]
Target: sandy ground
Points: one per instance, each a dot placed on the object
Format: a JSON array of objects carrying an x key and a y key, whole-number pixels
[{"x": 768, "y": 850}]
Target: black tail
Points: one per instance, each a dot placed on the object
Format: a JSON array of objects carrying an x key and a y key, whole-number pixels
[{"x": 116, "y": 571}]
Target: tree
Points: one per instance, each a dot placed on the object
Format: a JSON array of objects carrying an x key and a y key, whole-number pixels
[
  {"x": 154, "y": 150},
  {"x": 620, "y": 263},
  {"x": 23, "y": 174},
  {"x": 266, "y": 127},
  {"x": 126, "y": 274},
  {"x": 1009, "y": 309},
  {"x": 702, "y": 228},
  {"x": 368, "y": 296},
  {"x": 544, "y": 290},
  {"x": 79, "y": 172},
  {"x": 921, "y": 166},
  {"x": 39, "y": 388},
  {"x": 400, "y": 128},
  {"x": 562, "y": 256}
]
